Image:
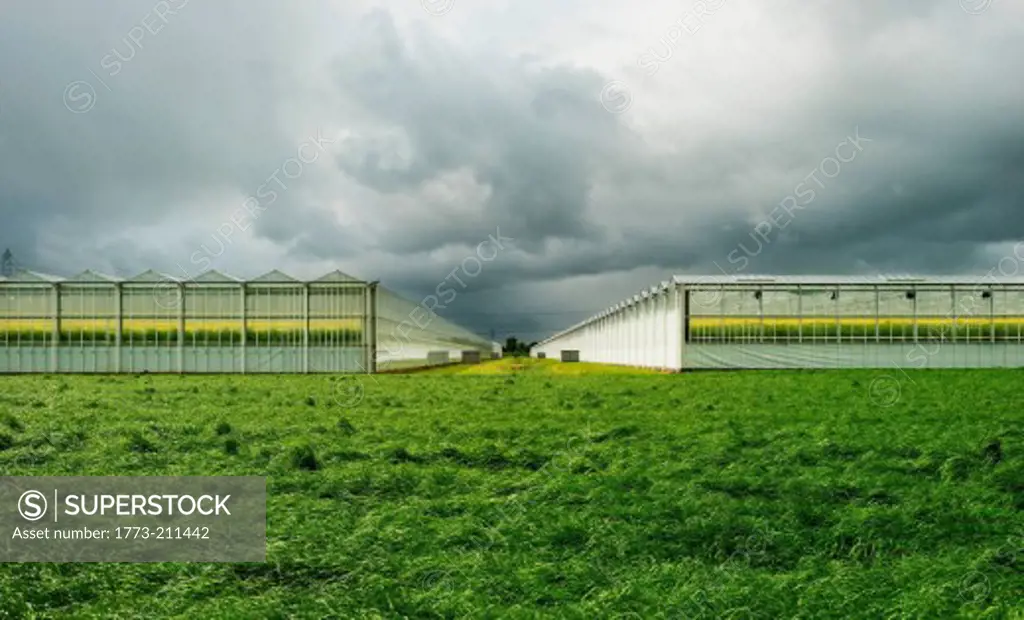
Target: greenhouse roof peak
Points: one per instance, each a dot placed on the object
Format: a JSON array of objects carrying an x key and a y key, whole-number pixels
[
  {"x": 273, "y": 277},
  {"x": 93, "y": 276},
  {"x": 337, "y": 276},
  {"x": 152, "y": 276},
  {"x": 216, "y": 277},
  {"x": 28, "y": 276},
  {"x": 845, "y": 280}
]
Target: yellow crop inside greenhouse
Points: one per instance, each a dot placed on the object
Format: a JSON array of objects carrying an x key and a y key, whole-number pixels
[
  {"x": 17, "y": 325},
  {"x": 856, "y": 328}
]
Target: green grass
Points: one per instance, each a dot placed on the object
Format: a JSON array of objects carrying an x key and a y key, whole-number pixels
[
  {"x": 534, "y": 366},
  {"x": 527, "y": 493}
]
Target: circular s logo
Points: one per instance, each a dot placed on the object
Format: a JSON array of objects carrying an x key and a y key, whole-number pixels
[
  {"x": 79, "y": 97},
  {"x": 437, "y": 7},
  {"x": 975, "y": 7},
  {"x": 32, "y": 505},
  {"x": 706, "y": 292},
  {"x": 616, "y": 97},
  {"x": 885, "y": 391},
  {"x": 166, "y": 295},
  {"x": 349, "y": 392}
]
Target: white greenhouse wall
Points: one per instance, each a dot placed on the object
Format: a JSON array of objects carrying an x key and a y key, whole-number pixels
[{"x": 644, "y": 331}]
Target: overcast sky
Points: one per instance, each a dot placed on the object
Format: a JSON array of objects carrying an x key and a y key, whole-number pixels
[{"x": 613, "y": 143}]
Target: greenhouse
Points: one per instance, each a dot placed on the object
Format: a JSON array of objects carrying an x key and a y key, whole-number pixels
[
  {"x": 807, "y": 322},
  {"x": 216, "y": 323}
]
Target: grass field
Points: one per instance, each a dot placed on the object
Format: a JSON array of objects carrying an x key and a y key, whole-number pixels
[
  {"x": 533, "y": 366},
  {"x": 518, "y": 490}
]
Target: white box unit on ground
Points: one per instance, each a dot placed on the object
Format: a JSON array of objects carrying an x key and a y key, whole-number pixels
[{"x": 438, "y": 357}]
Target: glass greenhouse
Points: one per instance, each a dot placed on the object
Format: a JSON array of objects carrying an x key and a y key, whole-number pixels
[
  {"x": 807, "y": 322},
  {"x": 217, "y": 323}
]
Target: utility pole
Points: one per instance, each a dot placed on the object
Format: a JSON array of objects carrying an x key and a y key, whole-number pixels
[{"x": 7, "y": 264}]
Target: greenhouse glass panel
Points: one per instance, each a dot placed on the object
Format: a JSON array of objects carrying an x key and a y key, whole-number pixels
[
  {"x": 88, "y": 315},
  {"x": 213, "y": 316},
  {"x": 857, "y": 318},
  {"x": 150, "y": 315},
  {"x": 1008, "y": 307},
  {"x": 896, "y": 309},
  {"x": 336, "y": 316},
  {"x": 781, "y": 315},
  {"x": 935, "y": 319},
  {"x": 705, "y": 320},
  {"x": 972, "y": 314},
  {"x": 275, "y": 315},
  {"x": 819, "y": 322},
  {"x": 706, "y": 301},
  {"x": 26, "y": 316},
  {"x": 741, "y": 316}
]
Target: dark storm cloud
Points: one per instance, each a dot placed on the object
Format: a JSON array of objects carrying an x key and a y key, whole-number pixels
[
  {"x": 192, "y": 114},
  {"x": 530, "y": 134},
  {"x": 936, "y": 170}
]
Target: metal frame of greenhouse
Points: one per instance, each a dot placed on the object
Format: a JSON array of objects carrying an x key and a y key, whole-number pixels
[
  {"x": 216, "y": 323},
  {"x": 697, "y": 322}
]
